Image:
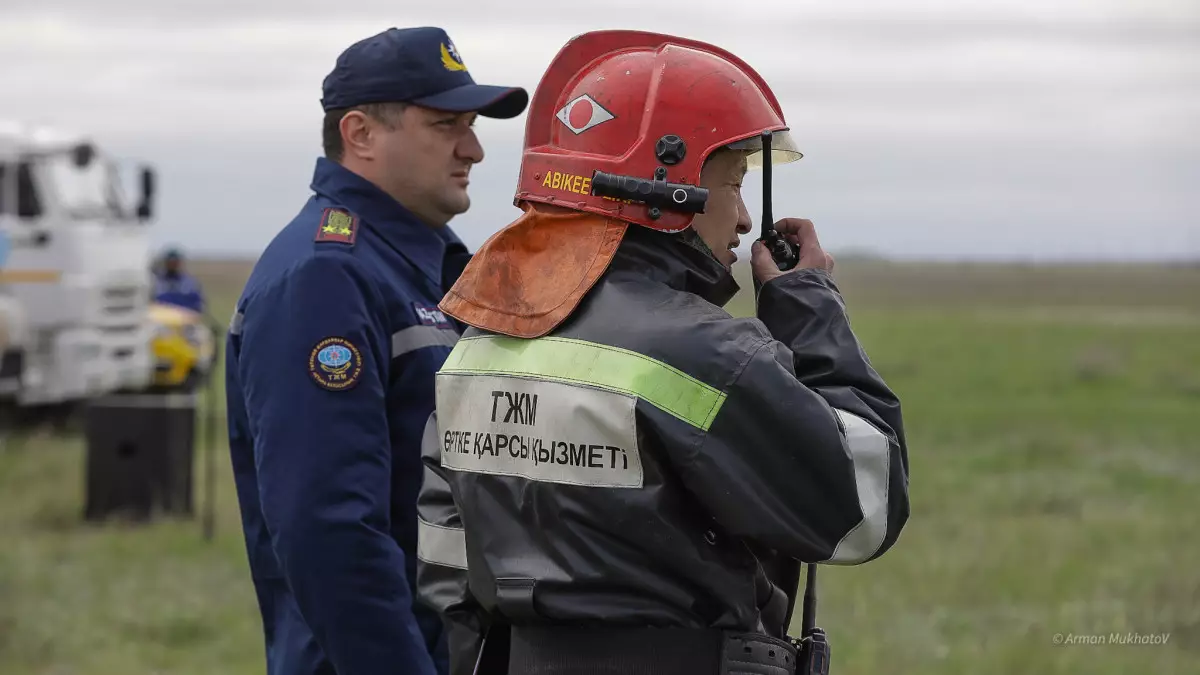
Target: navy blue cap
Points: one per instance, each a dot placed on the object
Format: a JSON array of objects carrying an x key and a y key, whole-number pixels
[{"x": 415, "y": 65}]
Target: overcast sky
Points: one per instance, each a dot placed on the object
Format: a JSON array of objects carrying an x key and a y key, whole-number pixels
[{"x": 932, "y": 128}]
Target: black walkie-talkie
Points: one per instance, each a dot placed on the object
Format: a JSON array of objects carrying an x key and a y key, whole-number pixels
[
  {"x": 783, "y": 252},
  {"x": 813, "y": 646}
]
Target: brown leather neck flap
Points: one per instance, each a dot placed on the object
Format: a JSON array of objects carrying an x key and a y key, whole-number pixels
[{"x": 531, "y": 275}]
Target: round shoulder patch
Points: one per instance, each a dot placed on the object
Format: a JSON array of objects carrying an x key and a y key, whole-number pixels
[{"x": 335, "y": 364}]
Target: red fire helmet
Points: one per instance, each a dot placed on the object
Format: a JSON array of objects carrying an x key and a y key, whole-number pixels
[{"x": 622, "y": 121}]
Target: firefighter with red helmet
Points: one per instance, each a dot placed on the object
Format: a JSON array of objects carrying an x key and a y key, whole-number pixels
[{"x": 620, "y": 475}]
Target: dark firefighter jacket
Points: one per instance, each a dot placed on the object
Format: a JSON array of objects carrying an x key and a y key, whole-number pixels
[{"x": 655, "y": 461}]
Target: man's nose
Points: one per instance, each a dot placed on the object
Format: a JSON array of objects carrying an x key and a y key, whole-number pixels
[
  {"x": 469, "y": 148},
  {"x": 744, "y": 224}
]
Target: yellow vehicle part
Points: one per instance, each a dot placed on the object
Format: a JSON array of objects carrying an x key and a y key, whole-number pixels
[
  {"x": 174, "y": 358},
  {"x": 182, "y": 344}
]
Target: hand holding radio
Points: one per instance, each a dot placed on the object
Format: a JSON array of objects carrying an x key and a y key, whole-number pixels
[{"x": 801, "y": 236}]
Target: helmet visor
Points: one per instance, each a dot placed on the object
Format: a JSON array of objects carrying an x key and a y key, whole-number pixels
[{"x": 783, "y": 149}]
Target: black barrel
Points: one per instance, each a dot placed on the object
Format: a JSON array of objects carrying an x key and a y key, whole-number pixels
[{"x": 140, "y": 450}]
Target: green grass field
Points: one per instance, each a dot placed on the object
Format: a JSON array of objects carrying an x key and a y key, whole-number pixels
[{"x": 1052, "y": 418}]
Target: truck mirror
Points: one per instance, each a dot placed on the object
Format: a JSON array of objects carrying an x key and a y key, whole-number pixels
[
  {"x": 82, "y": 155},
  {"x": 145, "y": 206}
]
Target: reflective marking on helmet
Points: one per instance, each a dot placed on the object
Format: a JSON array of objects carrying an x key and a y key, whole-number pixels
[
  {"x": 582, "y": 113},
  {"x": 591, "y": 365},
  {"x": 556, "y": 180},
  {"x": 580, "y": 185}
]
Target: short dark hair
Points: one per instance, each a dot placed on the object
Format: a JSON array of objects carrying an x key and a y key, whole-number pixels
[{"x": 331, "y": 133}]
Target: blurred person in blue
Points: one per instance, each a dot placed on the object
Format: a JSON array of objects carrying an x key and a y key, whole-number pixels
[
  {"x": 174, "y": 286},
  {"x": 333, "y": 348}
]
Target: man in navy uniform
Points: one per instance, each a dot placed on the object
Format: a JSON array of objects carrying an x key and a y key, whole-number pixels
[{"x": 332, "y": 353}]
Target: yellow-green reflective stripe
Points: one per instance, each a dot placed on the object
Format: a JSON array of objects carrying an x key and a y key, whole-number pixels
[{"x": 590, "y": 364}]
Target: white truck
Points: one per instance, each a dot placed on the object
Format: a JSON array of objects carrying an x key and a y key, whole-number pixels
[{"x": 75, "y": 279}]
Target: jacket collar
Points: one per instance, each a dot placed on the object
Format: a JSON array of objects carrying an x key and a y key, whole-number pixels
[
  {"x": 424, "y": 246},
  {"x": 671, "y": 260}
]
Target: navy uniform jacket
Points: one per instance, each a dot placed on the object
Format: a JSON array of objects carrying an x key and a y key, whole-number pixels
[{"x": 330, "y": 380}]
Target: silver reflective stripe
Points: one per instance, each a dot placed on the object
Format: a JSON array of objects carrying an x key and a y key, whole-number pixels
[
  {"x": 416, "y": 337},
  {"x": 869, "y": 451},
  {"x": 441, "y": 545},
  {"x": 235, "y": 323}
]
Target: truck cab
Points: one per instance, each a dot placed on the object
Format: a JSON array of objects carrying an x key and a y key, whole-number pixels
[{"x": 75, "y": 281}]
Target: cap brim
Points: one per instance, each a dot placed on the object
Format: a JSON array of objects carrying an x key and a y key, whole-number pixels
[{"x": 488, "y": 100}]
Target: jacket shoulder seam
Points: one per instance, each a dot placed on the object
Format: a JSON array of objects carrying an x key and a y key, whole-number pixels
[{"x": 702, "y": 437}]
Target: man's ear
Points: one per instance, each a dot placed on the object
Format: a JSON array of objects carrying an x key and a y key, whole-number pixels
[{"x": 356, "y": 129}]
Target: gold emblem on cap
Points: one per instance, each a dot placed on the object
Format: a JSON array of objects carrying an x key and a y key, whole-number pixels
[{"x": 450, "y": 58}]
